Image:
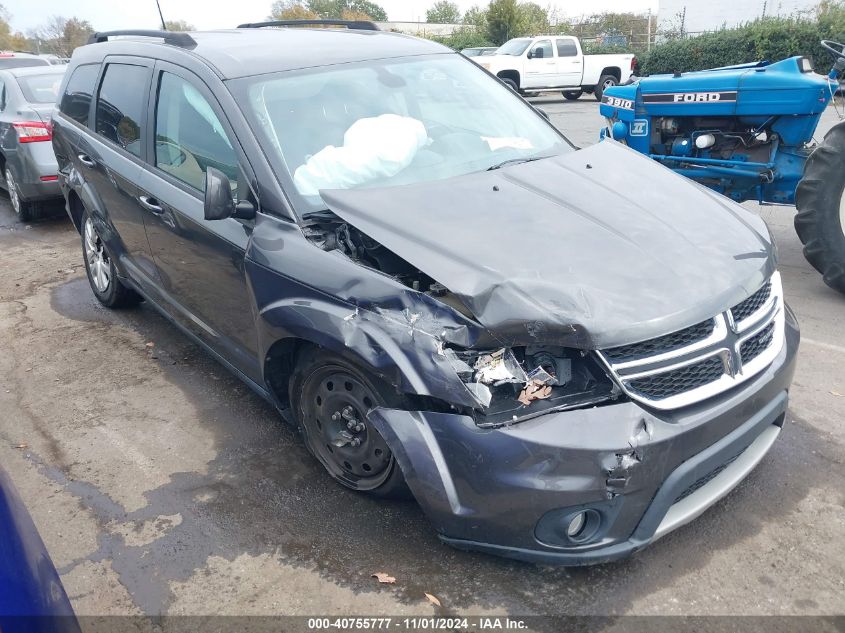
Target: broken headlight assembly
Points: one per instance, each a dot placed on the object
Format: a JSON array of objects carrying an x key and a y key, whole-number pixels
[{"x": 519, "y": 383}]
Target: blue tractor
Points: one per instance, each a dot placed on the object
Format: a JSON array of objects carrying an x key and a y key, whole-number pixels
[{"x": 747, "y": 132}]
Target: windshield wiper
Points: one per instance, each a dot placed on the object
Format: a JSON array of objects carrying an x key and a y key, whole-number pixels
[{"x": 515, "y": 161}]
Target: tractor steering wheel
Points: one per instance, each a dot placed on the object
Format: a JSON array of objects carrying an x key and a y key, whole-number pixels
[{"x": 834, "y": 48}]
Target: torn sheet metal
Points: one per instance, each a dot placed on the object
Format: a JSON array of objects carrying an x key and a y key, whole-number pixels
[{"x": 553, "y": 251}]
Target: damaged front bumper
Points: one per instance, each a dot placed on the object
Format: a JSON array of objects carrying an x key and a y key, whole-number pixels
[{"x": 635, "y": 474}]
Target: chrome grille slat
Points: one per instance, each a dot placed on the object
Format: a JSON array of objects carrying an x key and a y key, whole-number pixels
[{"x": 704, "y": 359}]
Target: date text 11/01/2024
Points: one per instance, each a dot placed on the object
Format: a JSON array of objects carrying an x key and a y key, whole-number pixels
[{"x": 417, "y": 623}]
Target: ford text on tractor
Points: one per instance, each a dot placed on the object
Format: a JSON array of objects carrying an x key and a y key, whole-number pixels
[{"x": 747, "y": 132}]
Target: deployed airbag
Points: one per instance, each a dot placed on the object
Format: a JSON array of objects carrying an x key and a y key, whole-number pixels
[{"x": 373, "y": 148}]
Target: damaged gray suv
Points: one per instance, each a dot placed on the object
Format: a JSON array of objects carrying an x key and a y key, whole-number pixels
[{"x": 562, "y": 354}]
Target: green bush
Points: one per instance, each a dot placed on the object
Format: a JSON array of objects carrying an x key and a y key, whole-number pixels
[
  {"x": 593, "y": 48},
  {"x": 466, "y": 37},
  {"x": 769, "y": 38}
]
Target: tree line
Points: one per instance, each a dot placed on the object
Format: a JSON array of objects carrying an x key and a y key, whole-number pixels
[{"x": 58, "y": 35}]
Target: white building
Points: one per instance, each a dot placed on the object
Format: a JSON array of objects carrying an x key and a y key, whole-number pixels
[{"x": 710, "y": 15}]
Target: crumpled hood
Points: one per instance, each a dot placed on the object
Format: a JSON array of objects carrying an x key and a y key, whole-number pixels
[{"x": 591, "y": 249}]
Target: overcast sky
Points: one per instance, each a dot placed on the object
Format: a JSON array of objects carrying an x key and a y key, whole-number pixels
[{"x": 209, "y": 14}]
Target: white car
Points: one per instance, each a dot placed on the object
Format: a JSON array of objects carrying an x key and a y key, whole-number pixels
[{"x": 556, "y": 62}]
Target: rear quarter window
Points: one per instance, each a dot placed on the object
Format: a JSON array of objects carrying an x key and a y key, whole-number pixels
[
  {"x": 76, "y": 100},
  {"x": 122, "y": 104}
]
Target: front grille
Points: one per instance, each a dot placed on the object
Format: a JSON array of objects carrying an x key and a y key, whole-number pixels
[
  {"x": 758, "y": 343},
  {"x": 662, "y": 344},
  {"x": 746, "y": 308},
  {"x": 677, "y": 381},
  {"x": 703, "y": 481},
  {"x": 703, "y": 360}
]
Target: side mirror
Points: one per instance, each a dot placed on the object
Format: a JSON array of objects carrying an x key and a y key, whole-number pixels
[
  {"x": 219, "y": 204},
  {"x": 537, "y": 53}
]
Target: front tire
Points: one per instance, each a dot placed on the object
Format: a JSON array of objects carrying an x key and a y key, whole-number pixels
[
  {"x": 820, "y": 200},
  {"x": 102, "y": 272},
  {"x": 330, "y": 399},
  {"x": 572, "y": 95},
  {"x": 24, "y": 209},
  {"x": 605, "y": 82}
]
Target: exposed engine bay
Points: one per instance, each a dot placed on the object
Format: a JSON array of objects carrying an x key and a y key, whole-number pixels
[
  {"x": 712, "y": 137},
  {"x": 510, "y": 383}
]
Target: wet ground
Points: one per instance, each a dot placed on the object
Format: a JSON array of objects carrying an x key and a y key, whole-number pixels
[{"x": 162, "y": 485}]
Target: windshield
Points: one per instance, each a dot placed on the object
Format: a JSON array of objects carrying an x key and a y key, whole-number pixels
[
  {"x": 388, "y": 123},
  {"x": 41, "y": 88},
  {"x": 514, "y": 47}
]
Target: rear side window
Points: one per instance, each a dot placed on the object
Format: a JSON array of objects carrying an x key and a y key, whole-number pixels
[
  {"x": 40, "y": 88},
  {"x": 22, "y": 62},
  {"x": 76, "y": 100},
  {"x": 121, "y": 104},
  {"x": 189, "y": 136},
  {"x": 566, "y": 48}
]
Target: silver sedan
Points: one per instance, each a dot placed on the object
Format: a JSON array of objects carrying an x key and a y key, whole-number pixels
[{"x": 28, "y": 168}]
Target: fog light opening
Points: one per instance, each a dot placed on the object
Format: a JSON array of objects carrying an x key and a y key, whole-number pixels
[
  {"x": 582, "y": 526},
  {"x": 576, "y": 525}
]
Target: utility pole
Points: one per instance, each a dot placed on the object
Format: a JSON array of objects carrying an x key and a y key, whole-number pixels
[{"x": 648, "y": 36}]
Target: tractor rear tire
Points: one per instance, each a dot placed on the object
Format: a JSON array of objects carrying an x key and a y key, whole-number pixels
[{"x": 820, "y": 200}]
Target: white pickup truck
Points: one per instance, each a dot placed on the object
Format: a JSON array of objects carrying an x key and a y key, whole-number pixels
[{"x": 556, "y": 62}]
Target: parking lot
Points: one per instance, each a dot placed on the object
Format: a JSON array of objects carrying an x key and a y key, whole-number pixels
[{"x": 162, "y": 485}]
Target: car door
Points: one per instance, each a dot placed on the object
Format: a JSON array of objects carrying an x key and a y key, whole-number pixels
[
  {"x": 570, "y": 63},
  {"x": 200, "y": 262},
  {"x": 540, "y": 65},
  {"x": 111, "y": 161}
]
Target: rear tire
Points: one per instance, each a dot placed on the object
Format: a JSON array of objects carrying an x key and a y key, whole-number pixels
[
  {"x": 25, "y": 210},
  {"x": 820, "y": 200},
  {"x": 323, "y": 389},
  {"x": 510, "y": 83},
  {"x": 572, "y": 95},
  {"x": 102, "y": 273},
  {"x": 605, "y": 82}
]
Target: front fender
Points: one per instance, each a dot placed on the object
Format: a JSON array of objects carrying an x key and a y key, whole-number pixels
[{"x": 403, "y": 347}]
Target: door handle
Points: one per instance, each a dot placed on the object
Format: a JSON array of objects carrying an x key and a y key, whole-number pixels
[
  {"x": 151, "y": 204},
  {"x": 86, "y": 160}
]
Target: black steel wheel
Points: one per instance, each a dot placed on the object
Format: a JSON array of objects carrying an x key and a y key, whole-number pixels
[{"x": 331, "y": 399}]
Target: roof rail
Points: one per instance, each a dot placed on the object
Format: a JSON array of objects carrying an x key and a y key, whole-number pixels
[
  {"x": 176, "y": 38},
  {"x": 358, "y": 25}
]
